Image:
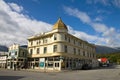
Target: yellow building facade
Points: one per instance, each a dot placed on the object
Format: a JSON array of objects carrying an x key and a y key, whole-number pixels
[{"x": 59, "y": 50}]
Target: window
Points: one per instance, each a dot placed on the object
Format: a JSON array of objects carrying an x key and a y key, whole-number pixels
[
  {"x": 50, "y": 58},
  {"x": 45, "y": 40},
  {"x": 31, "y": 51},
  {"x": 74, "y": 41},
  {"x": 38, "y": 50},
  {"x": 10, "y": 54},
  {"x": 90, "y": 54},
  {"x": 80, "y": 43},
  {"x": 15, "y": 52},
  {"x": 45, "y": 49},
  {"x": 93, "y": 55},
  {"x": 55, "y": 48},
  {"x": 36, "y": 64},
  {"x": 78, "y": 51},
  {"x": 87, "y": 54},
  {"x": 57, "y": 58},
  {"x": 74, "y": 50},
  {"x": 65, "y": 49},
  {"x": 69, "y": 39},
  {"x": 31, "y": 42},
  {"x": 50, "y": 64},
  {"x": 56, "y": 64},
  {"x": 39, "y": 41},
  {"x": 23, "y": 53},
  {"x": 83, "y": 53},
  {"x": 36, "y": 59},
  {"x": 65, "y": 37},
  {"x": 55, "y": 37}
]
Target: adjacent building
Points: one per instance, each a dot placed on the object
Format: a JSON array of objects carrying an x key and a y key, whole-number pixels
[
  {"x": 3, "y": 56},
  {"x": 58, "y": 50},
  {"x": 17, "y": 56}
]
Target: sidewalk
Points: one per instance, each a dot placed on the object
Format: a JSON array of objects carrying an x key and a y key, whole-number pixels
[{"x": 39, "y": 70}]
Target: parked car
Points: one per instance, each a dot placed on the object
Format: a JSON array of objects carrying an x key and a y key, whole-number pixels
[{"x": 86, "y": 66}]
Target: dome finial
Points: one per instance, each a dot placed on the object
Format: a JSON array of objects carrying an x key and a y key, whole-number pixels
[{"x": 60, "y": 25}]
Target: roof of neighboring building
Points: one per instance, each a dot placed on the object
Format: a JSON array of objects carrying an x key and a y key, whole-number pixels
[
  {"x": 23, "y": 46},
  {"x": 59, "y": 25},
  {"x": 3, "y": 48}
]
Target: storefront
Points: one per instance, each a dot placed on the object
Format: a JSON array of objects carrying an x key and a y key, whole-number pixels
[
  {"x": 3, "y": 61},
  {"x": 58, "y": 63}
]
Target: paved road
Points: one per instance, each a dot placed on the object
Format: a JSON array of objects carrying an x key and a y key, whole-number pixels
[{"x": 96, "y": 74}]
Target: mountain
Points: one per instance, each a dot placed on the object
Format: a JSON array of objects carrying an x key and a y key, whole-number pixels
[
  {"x": 104, "y": 49},
  {"x": 117, "y": 48},
  {"x": 3, "y": 48}
]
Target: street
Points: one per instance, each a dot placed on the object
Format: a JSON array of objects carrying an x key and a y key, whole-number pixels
[{"x": 112, "y": 73}]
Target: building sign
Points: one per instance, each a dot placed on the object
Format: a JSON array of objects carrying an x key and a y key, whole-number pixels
[
  {"x": 42, "y": 60},
  {"x": 3, "y": 57},
  {"x": 41, "y": 64},
  {"x": 12, "y": 54}
]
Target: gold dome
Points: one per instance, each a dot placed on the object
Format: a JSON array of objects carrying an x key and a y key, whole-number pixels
[{"x": 59, "y": 25}]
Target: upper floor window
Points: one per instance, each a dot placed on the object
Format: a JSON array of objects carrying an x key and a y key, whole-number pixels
[
  {"x": 55, "y": 48},
  {"x": 83, "y": 53},
  {"x": 45, "y": 40},
  {"x": 78, "y": 51},
  {"x": 93, "y": 55},
  {"x": 74, "y": 50},
  {"x": 45, "y": 49},
  {"x": 23, "y": 53},
  {"x": 69, "y": 39},
  {"x": 10, "y": 54},
  {"x": 31, "y": 51},
  {"x": 39, "y": 41},
  {"x": 31, "y": 42},
  {"x": 15, "y": 52},
  {"x": 65, "y": 48},
  {"x": 80, "y": 43},
  {"x": 38, "y": 50},
  {"x": 66, "y": 37},
  {"x": 74, "y": 41},
  {"x": 88, "y": 55},
  {"x": 55, "y": 37}
]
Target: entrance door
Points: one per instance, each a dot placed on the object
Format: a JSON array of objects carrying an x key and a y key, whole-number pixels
[
  {"x": 11, "y": 65},
  {"x": 57, "y": 66}
]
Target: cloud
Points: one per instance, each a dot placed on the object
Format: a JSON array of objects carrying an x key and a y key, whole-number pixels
[
  {"x": 104, "y": 2},
  {"x": 15, "y": 27},
  {"x": 15, "y": 7},
  {"x": 109, "y": 34},
  {"x": 99, "y": 27},
  {"x": 98, "y": 19},
  {"x": 76, "y": 13},
  {"x": 115, "y": 3},
  {"x": 85, "y": 36}
]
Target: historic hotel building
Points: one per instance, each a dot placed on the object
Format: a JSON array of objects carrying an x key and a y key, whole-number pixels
[{"x": 57, "y": 50}]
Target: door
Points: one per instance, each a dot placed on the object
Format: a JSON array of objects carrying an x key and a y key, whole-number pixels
[{"x": 57, "y": 66}]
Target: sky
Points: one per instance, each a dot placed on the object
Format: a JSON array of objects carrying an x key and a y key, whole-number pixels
[{"x": 95, "y": 21}]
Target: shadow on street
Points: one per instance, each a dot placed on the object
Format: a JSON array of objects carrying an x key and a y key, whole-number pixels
[
  {"x": 110, "y": 67},
  {"x": 11, "y": 77}
]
